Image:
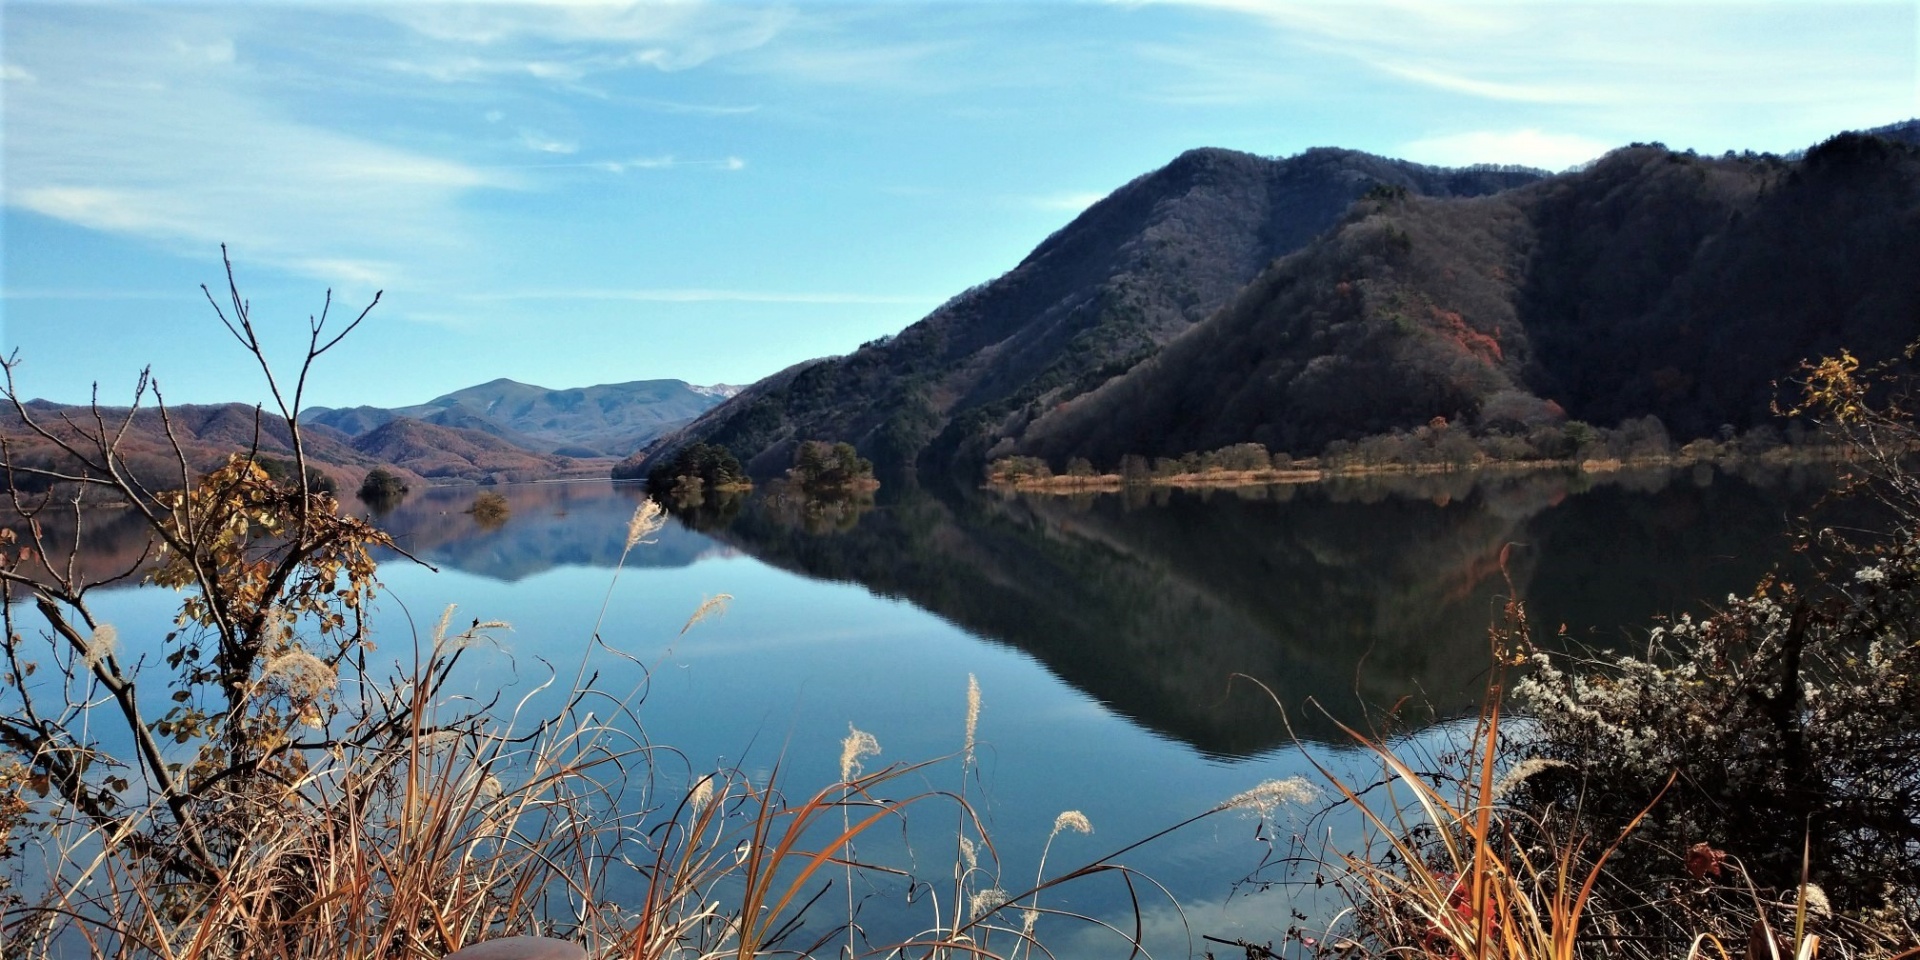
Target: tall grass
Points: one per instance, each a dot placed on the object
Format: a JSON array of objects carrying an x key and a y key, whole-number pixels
[
  {"x": 450, "y": 826},
  {"x": 1445, "y": 867}
]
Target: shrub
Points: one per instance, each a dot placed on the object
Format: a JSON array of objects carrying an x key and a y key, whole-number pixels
[
  {"x": 1794, "y": 725},
  {"x": 282, "y": 472},
  {"x": 382, "y": 488},
  {"x": 710, "y": 466},
  {"x": 1789, "y": 719},
  {"x": 1016, "y": 469},
  {"x": 821, "y": 467},
  {"x": 490, "y": 509}
]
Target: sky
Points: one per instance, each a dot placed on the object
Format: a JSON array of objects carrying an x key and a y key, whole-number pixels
[{"x": 569, "y": 193}]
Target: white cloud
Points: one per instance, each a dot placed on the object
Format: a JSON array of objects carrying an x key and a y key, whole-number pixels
[
  {"x": 155, "y": 128},
  {"x": 827, "y": 61},
  {"x": 703, "y": 109},
  {"x": 362, "y": 272},
  {"x": 1533, "y": 148},
  {"x": 662, "y": 35},
  {"x": 1646, "y": 69},
  {"x": 466, "y": 68},
  {"x": 1519, "y": 92},
  {"x": 535, "y": 140},
  {"x": 668, "y": 163},
  {"x": 14, "y": 73}
]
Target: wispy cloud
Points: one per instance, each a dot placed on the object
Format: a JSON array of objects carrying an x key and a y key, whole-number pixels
[
  {"x": 1523, "y": 91},
  {"x": 830, "y": 62},
  {"x": 668, "y": 163},
  {"x": 149, "y": 128},
  {"x": 700, "y": 109},
  {"x": 458, "y": 68},
  {"x": 537, "y": 141},
  {"x": 660, "y": 35},
  {"x": 1624, "y": 65},
  {"x": 14, "y": 73},
  {"x": 1530, "y": 147},
  {"x": 697, "y": 295}
]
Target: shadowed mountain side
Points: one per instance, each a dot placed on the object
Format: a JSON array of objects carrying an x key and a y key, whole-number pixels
[
  {"x": 1653, "y": 283},
  {"x": 548, "y": 525},
  {"x": 1358, "y": 595},
  {"x": 1158, "y": 255}
]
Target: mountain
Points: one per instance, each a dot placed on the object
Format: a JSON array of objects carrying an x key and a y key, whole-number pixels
[
  {"x": 1652, "y": 283},
  {"x": 1126, "y": 277},
  {"x": 1906, "y": 131},
  {"x": 437, "y": 452},
  {"x": 607, "y": 420},
  {"x": 208, "y": 434}
]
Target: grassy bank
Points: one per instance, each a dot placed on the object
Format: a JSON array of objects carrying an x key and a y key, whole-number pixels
[{"x": 1311, "y": 471}]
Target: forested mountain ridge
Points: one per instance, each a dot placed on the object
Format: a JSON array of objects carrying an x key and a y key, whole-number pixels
[
  {"x": 1106, "y": 291},
  {"x": 610, "y": 419},
  {"x": 1652, "y": 283}
]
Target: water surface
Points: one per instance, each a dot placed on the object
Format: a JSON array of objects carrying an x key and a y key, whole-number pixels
[{"x": 1106, "y": 632}]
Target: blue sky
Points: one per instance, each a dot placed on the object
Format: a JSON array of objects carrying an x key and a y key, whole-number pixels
[{"x": 569, "y": 193}]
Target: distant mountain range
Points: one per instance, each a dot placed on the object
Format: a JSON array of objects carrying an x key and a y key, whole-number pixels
[
  {"x": 496, "y": 432},
  {"x": 611, "y": 419},
  {"x": 423, "y": 453},
  {"x": 1333, "y": 295}
]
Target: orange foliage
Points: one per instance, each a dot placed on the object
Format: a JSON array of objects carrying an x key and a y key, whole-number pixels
[{"x": 1453, "y": 327}]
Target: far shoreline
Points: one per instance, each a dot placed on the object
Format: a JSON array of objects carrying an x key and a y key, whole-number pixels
[{"x": 1069, "y": 485}]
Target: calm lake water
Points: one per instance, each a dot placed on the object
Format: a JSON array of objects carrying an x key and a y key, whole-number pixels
[{"x": 1103, "y": 631}]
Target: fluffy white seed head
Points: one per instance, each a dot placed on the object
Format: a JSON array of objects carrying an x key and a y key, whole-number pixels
[
  {"x": 1268, "y": 797},
  {"x": 1071, "y": 820},
  {"x": 104, "y": 642},
  {"x": 858, "y": 745}
]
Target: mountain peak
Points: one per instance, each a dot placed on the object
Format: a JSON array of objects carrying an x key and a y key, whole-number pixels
[{"x": 1104, "y": 292}]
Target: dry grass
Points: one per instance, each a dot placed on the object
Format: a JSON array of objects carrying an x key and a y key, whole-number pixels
[
  {"x": 1446, "y": 868},
  {"x": 454, "y": 826}
]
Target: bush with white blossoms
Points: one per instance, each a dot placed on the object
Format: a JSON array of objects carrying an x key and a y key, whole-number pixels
[{"x": 1790, "y": 724}]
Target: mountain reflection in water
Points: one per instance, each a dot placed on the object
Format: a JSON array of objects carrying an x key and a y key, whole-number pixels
[
  {"x": 548, "y": 525},
  {"x": 1359, "y": 595},
  {"x": 1362, "y": 596}
]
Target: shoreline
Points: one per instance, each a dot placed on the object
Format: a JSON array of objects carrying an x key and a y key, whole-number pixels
[{"x": 1065, "y": 485}]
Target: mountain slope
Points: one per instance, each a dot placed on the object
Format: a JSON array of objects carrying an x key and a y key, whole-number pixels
[
  {"x": 208, "y": 434},
  {"x": 1653, "y": 283},
  {"x": 610, "y": 419},
  {"x": 1124, "y": 278},
  {"x": 437, "y": 452}
]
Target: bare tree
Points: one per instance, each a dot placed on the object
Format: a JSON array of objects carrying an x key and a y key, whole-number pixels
[{"x": 276, "y": 583}]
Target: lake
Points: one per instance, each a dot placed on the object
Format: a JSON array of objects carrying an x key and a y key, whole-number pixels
[{"x": 1105, "y": 632}]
